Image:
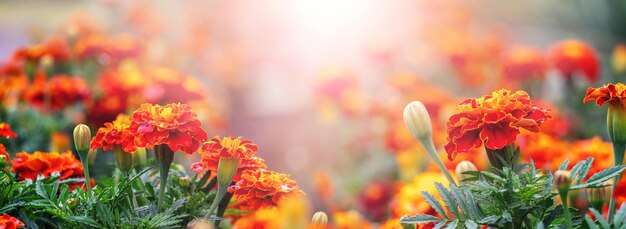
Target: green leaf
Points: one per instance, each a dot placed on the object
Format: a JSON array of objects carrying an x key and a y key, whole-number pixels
[
  {"x": 419, "y": 219},
  {"x": 453, "y": 224},
  {"x": 599, "y": 218},
  {"x": 85, "y": 220},
  {"x": 580, "y": 170},
  {"x": 447, "y": 199},
  {"x": 470, "y": 224},
  {"x": 493, "y": 176},
  {"x": 540, "y": 225},
  {"x": 590, "y": 223},
  {"x": 620, "y": 215},
  {"x": 460, "y": 200},
  {"x": 430, "y": 199},
  {"x": 475, "y": 208},
  {"x": 564, "y": 165},
  {"x": 600, "y": 177}
]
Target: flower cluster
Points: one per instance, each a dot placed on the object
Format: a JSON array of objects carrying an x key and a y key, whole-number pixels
[
  {"x": 494, "y": 120},
  {"x": 262, "y": 188},
  {"x": 113, "y": 134},
  {"x": 174, "y": 125}
]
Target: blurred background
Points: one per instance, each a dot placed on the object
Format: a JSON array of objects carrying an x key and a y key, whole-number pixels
[{"x": 320, "y": 85}]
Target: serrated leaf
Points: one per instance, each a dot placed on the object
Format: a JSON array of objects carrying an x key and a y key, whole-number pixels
[
  {"x": 475, "y": 208},
  {"x": 599, "y": 218},
  {"x": 620, "y": 216},
  {"x": 85, "y": 220},
  {"x": 420, "y": 219},
  {"x": 458, "y": 196},
  {"x": 590, "y": 223},
  {"x": 564, "y": 165},
  {"x": 453, "y": 224},
  {"x": 489, "y": 220},
  {"x": 493, "y": 176},
  {"x": 600, "y": 177},
  {"x": 440, "y": 225},
  {"x": 447, "y": 199},
  {"x": 430, "y": 199},
  {"x": 470, "y": 224}
]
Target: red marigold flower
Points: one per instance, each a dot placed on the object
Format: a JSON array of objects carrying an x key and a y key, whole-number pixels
[
  {"x": 174, "y": 125},
  {"x": 61, "y": 91},
  {"x": 571, "y": 56},
  {"x": 29, "y": 166},
  {"x": 6, "y": 132},
  {"x": 521, "y": 63},
  {"x": 263, "y": 188},
  {"x": 113, "y": 134},
  {"x": 494, "y": 120},
  {"x": 229, "y": 147},
  {"x": 614, "y": 94},
  {"x": 9, "y": 222},
  {"x": 210, "y": 159},
  {"x": 55, "y": 48}
]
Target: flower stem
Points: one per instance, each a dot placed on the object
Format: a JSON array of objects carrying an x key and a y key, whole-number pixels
[
  {"x": 432, "y": 152},
  {"x": 164, "y": 155},
  {"x": 618, "y": 154},
  {"x": 221, "y": 191},
  {"x": 568, "y": 217},
  {"x": 87, "y": 183}
]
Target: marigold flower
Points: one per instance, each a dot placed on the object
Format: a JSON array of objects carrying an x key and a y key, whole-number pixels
[
  {"x": 522, "y": 63},
  {"x": 209, "y": 160},
  {"x": 6, "y": 132},
  {"x": 494, "y": 120},
  {"x": 4, "y": 153},
  {"x": 263, "y": 188},
  {"x": 174, "y": 125},
  {"x": 55, "y": 48},
  {"x": 10, "y": 222},
  {"x": 29, "y": 166},
  {"x": 615, "y": 96},
  {"x": 57, "y": 92},
  {"x": 571, "y": 56},
  {"x": 113, "y": 134},
  {"x": 231, "y": 147}
]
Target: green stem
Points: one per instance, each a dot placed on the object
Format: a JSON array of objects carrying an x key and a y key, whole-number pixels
[
  {"x": 568, "y": 217},
  {"x": 164, "y": 173},
  {"x": 432, "y": 152},
  {"x": 618, "y": 154},
  {"x": 85, "y": 162},
  {"x": 221, "y": 191},
  {"x": 164, "y": 155},
  {"x": 221, "y": 208}
]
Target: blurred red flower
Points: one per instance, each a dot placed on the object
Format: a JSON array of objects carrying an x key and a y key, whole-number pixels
[
  {"x": 9, "y": 222},
  {"x": 522, "y": 63},
  {"x": 494, "y": 120},
  {"x": 55, "y": 48},
  {"x": 263, "y": 188},
  {"x": 6, "y": 132},
  {"x": 29, "y": 166},
  {"x": 57, "y": 92},
  {"x": 572, "y": 56},
  {"x": 174, "y": 125}
]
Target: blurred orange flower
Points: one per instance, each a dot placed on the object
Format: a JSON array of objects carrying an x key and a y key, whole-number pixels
[
  {"x": 10, "y": 222},
  {"x": 614, "y": 94},
  {"x": 494, "y": 120},
  {"x": 601, "y": 151},
  {"x": 6, "y": 132},
  {"x": 545, "y": 150},
  {"x": 175, "y": 125},
  {"x": 59, "y": 141},
  {"x": 113, "y": 134},
  {"x": 266, "y": 218},
  {"x": 521, "y": 63},
  {"x": 408, "y": 199},
  {"x": 350, "y": 220},
  {"x": 13, "y": 80},
  {"x": 263, "y": 188},
  {"x": 57, "y": 92},
  {"x": 29, "y": 166},
  {"x": 55, "y": 48},
  {"x": 572, "y": 56},
  {"x": 618, "y": 58}
]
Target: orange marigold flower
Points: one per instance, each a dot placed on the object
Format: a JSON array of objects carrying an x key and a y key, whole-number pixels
[
  {"x": 210, "y": 158},
  {"x": 61, "y": 91},
  {"x": 10, "y": 222},
  {"x": 29, "y": 166},
  {"x": 571, "y": 56},
  {"x": 522, "y": 63},
  {"x": 6, "y": 132},
  {"x": 263, "y": 188},
  {"x": 494, "y": 120},
  {"x": 113, "y": 134},
  {"x": 228, "y": 147},
  {"x": 174, "y": 125},
  {"x": 614, "y": 94},
  {"x": 55, "y": 48}
]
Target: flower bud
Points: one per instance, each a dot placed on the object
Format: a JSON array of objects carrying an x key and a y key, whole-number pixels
[
  {"x": 599, "y": 196},
  {"x": 319, "y": 221},
  {"x": 417, "y": 119},
  {"x": 562, "y": 180},
  {"x": 226, "y": 170},
  {"x": 464, "y": 166},
  {"x": 82, "y": 139},
  {"x": 123, "y": 159},
  {"x": 184, "y": 181},
  {"x": 71, "y": 203},
  {"x": 199, "y": 224}
]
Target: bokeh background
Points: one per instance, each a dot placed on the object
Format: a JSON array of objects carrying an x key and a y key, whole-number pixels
[{"x": 320, "y": 85}]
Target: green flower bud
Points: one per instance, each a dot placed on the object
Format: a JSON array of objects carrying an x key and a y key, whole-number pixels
[
  {"x": 71, "y": 203},
  {"x": 562, "y": 180},
  {"x": 184, "y": 181},
  {"x": 319, "y": 221},
  {"x": 82, "y": 139},
  {"x": 464, "y": 166},
  {"x": 417, "y": 119}
]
